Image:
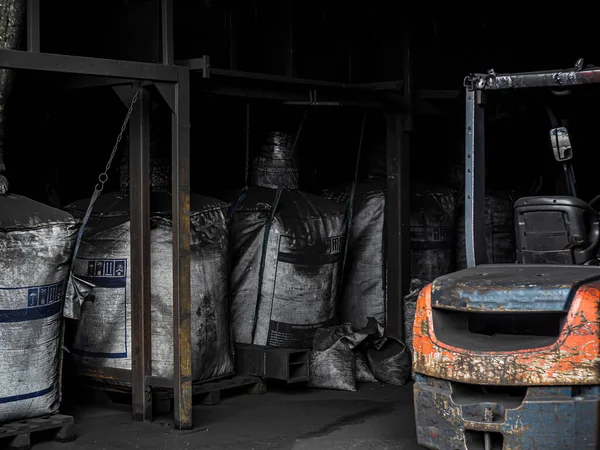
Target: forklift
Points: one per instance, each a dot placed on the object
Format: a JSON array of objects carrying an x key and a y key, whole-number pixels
[{"x": 507, "y": 357}]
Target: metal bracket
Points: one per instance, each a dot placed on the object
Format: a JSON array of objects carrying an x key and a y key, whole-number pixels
[
  {"x": 167, "y": 93},
  {"x": 475, "y": 82},
  {"x": 125, "y": 93}
]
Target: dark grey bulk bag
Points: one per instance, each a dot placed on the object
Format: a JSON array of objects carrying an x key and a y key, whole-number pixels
[
  {"x": 499, "y": 230},
  {"x": 102, "y": 337},
  {"x": 432, "y": 232},
  {"x": 36, "y": 246},
  {"x": 364, "y": 291},
  {"x": 287, "y": 251}
]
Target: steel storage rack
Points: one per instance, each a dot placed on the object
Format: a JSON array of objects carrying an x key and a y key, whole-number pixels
[
  {"x": 172, "y": 83},
  {"x": 171, "y": 80}
]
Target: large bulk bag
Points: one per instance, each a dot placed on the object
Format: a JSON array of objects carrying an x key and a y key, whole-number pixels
[
  {"x": 432, "y": 232},
  {"x": 36, "y": 244},
  {"x": 285, "y": 284},
  {"x": 364, "y": 290},
  {"x": 103, "y": 334},
  {"x": 499, "y": 230}
]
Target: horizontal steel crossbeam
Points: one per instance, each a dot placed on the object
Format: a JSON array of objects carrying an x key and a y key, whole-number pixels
[{"x": 49, "y": 62}]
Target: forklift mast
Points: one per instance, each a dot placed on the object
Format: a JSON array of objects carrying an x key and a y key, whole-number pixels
[{"x": 477, "y": 86}]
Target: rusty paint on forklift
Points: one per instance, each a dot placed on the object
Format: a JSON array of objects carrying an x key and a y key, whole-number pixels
[{"x": 573, "y": 359}]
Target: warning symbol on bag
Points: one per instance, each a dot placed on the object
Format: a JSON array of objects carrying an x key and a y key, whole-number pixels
[
  {"x": 43, "y": 296},
  {"x": 335, "y": 245},
  {"x": 107, "y": 268},
  {"x": 32, "y": 297},
  {"x": 120, "y": 268},
  {"x": 52, "y": 293}
]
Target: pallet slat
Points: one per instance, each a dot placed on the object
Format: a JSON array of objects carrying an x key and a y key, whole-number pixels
[{"x": 18, "y": 434}]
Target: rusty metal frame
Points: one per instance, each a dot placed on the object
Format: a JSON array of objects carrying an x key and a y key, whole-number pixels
[
  {"x": 476, "y": 86},
  {"x": 173, "y": 85}
]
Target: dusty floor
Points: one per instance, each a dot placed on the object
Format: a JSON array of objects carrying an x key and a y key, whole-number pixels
[{"x": 376, "y": 417}]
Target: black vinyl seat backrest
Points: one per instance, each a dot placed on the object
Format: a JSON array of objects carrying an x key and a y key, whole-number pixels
[{"x": 556, "y": 230}]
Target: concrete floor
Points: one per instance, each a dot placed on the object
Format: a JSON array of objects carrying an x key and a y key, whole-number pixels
[{"x": 377, "y": 417}]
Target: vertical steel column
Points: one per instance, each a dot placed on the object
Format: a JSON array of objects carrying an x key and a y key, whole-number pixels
[
  {"x": 395, "y": 261},
  {"x": 182, "y": 330},
  {"x": 288, "y": 42},
  {"x": 167, "y": 39},
  {"x": 399, "y": 125},
  {"x": 141, "y": 329},
  {"x": 33, "y": 25},
  {"x": 475, "y": 178},
  {"x": 232, "y": 24}
]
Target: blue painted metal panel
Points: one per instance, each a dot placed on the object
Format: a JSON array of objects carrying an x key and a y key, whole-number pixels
[
  {"x": 512, "y": 287},
  {"x": 549, "y": 418}
]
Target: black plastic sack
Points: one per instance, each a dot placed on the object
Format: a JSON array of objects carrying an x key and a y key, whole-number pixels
[
  {"x": 388, "y": 357},
  {"x": 332, "y": 362},
  {"x": 362, "y": 370}
]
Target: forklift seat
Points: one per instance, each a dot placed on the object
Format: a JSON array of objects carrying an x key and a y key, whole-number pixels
[{"x": 556, "y": 230}]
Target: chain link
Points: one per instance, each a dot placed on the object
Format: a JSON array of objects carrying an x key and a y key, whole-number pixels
[{"x": 103, "y": 177}]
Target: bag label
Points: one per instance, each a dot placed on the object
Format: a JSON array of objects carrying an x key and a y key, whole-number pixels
[
  {"x": 293, "y": 335},
  {"x": 109, "y": 305},
  {"x": 32, "y": 302}
]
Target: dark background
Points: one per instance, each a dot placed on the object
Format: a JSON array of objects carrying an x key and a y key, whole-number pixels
[{"x": 63, "y": 138}]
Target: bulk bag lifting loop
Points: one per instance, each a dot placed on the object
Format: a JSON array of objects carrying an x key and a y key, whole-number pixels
[{"x": 78, "y": 289}]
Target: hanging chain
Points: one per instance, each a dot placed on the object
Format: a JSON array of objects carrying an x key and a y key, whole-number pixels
[
  {"x": 103, "y": 177},
  {"x": 247, "y": 143},
  {"x": 360, "y": 146},
  {"x": 300, "y": 127}
]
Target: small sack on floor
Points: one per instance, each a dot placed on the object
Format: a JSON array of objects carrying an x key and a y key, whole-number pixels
[
  {"x": 363, "y": 372},
  {"x": 388, "y": 357},
  {"x": 332, "y": 362}
]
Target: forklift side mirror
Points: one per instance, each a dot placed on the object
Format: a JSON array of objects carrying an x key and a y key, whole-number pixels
[{"x": 561, "y": 144}]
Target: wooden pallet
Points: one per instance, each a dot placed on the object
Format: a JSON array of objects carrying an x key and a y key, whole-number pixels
[
  {"x": 17, "y": 435},
  {"x": 204, "y": 393},
  {"x": 210, "y": 393}
]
